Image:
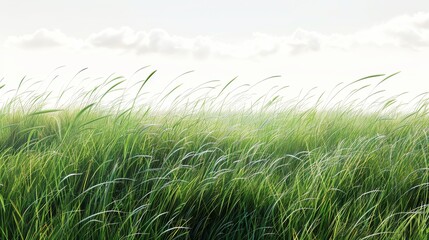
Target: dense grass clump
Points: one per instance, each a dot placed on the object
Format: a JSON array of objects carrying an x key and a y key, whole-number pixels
[{"x": 93, "y": 173}]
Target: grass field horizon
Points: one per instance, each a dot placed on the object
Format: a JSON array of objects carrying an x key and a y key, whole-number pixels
[{"x": 213, "y": 164}]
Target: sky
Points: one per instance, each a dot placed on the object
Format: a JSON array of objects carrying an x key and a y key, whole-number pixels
[{"x": 308, "y": 43}]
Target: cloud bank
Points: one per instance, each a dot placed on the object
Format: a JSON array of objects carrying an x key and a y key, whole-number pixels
[
  {"x": 42, "y": 39},
  {"x": 407, "y": 31}
]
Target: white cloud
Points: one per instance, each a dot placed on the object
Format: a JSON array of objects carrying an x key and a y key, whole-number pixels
[
  {"x": 407, "y": 31},
  {"x": 262, "y": 45},
  {"x": 41, "y": 38},
  {"x": 123, "y": 38},
  {"x": 304, "y": 41},
  {"x": 153, "y": 41},
  {"x": 160, "y": 41},
  {"x": 202, "y": 47}
]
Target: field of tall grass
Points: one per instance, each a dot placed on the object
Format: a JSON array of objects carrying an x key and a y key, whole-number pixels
[{"x": 200, "y": 169}]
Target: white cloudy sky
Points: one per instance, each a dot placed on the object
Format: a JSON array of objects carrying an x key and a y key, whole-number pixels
[{"x": 309, "y": 43}]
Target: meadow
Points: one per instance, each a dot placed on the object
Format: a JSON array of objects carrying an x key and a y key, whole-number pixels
[{"x": 206, "y": 171}]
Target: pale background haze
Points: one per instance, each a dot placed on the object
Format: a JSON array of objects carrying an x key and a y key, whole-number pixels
[{"x": 309, "y": 43}]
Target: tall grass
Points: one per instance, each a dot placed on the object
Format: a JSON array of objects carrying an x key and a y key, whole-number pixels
[{"x": 217, "y": 163}]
